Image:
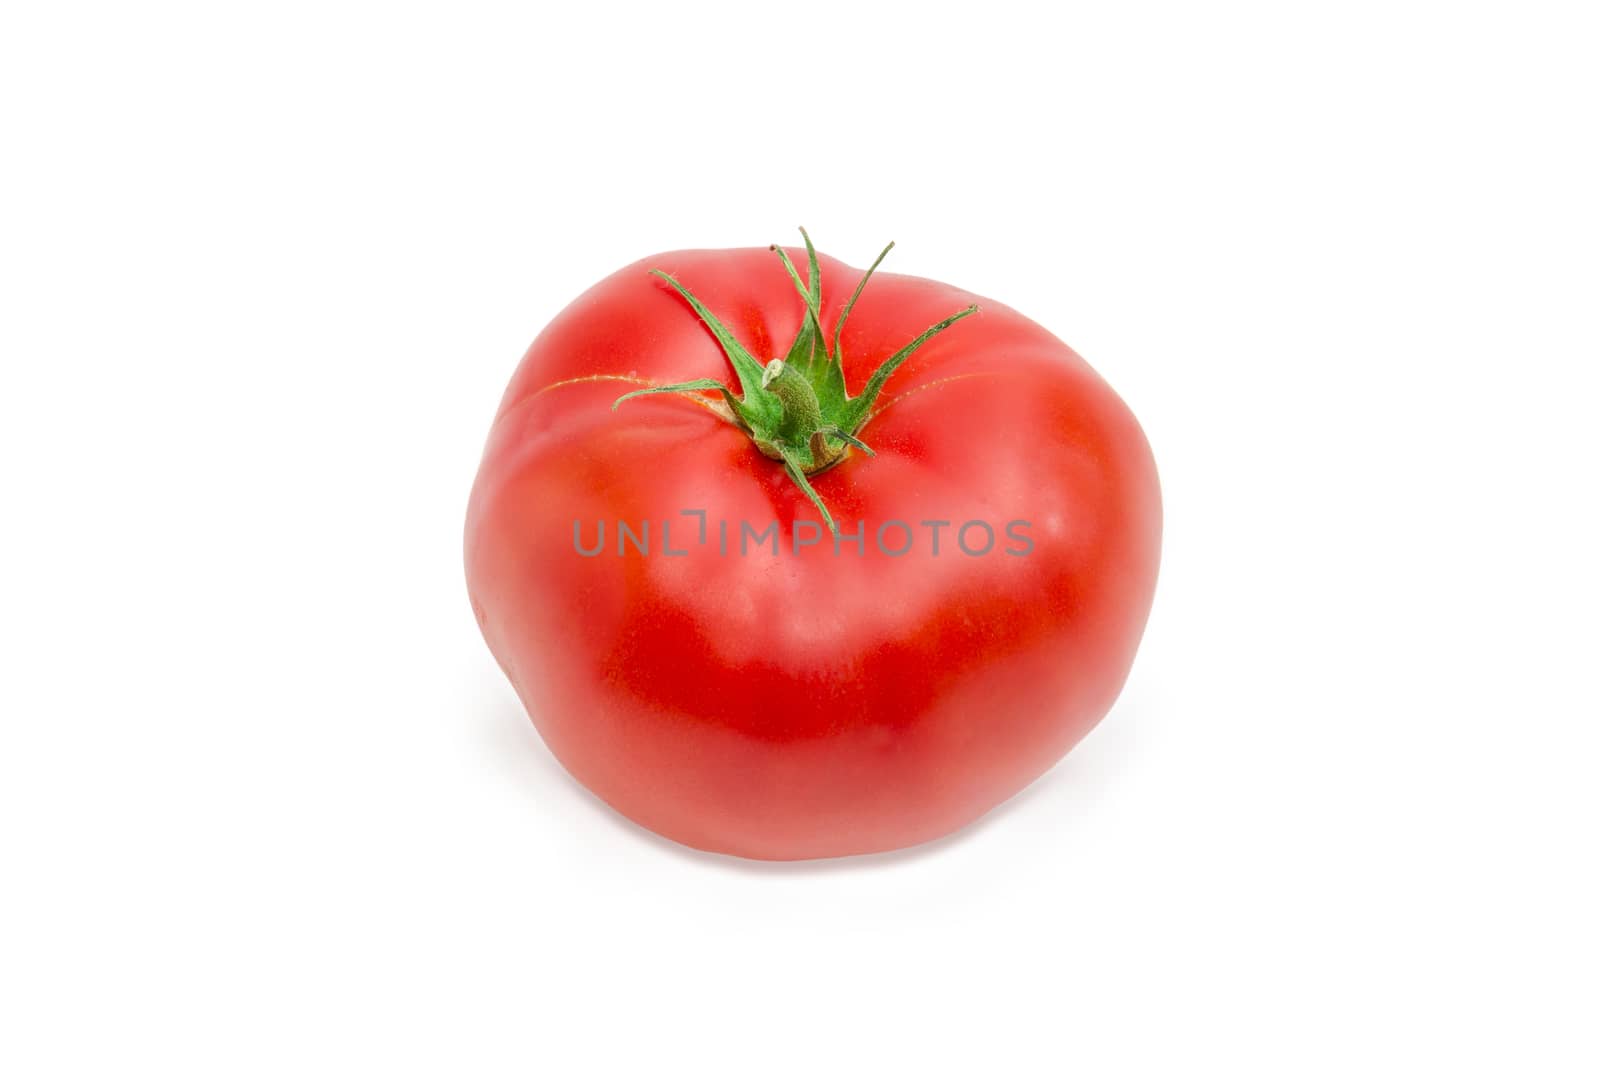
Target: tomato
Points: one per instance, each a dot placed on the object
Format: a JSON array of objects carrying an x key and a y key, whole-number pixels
[{"x": 956, "y": 557}]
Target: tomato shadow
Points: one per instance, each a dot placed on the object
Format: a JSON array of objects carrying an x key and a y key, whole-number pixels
[{"x": 1069, "y": 786}]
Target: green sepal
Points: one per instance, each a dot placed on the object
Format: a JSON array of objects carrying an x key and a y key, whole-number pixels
[
  {"x": 857, "y": 410},
  {"x": 793, "y": 460},
  {"x": 831, "y": 392},
  {"x": 809, "y": 353},
  {"x": 834, "y": 431},
  {"x": 849, "y": 305},
  {"x": 695, "y": 386},
  {"x": 755, "y": 404}
]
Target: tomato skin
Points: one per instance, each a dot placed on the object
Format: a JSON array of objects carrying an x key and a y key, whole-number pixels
[{"x": 811, "y": 704}]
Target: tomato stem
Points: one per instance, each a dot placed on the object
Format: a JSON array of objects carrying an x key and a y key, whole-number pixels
[{"x": 796, "y": 409}]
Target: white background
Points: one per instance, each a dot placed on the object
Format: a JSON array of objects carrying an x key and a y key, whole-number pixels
[{"x": 264, "y": 271}]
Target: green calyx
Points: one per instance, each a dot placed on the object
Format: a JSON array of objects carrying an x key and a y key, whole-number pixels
[{"x": 796, "y": 409}]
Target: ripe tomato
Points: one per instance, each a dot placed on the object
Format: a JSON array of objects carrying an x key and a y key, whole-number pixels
[{"x": 955, "y": 567}]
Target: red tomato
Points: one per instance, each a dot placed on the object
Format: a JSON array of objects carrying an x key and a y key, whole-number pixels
[{"x": 798, "y": 696}]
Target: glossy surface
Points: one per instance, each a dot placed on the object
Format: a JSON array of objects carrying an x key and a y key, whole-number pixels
[{"x": 810, "y": 704}]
